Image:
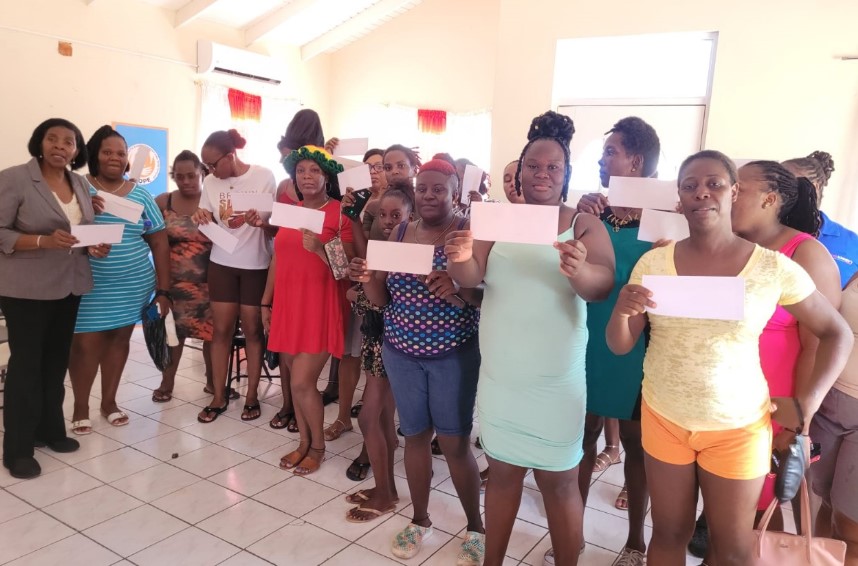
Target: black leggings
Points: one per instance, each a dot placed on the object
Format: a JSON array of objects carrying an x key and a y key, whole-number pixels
[{"x": 40, "y": 336}]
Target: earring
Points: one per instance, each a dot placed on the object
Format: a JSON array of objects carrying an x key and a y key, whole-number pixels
[{"x": 634, "y": 169}]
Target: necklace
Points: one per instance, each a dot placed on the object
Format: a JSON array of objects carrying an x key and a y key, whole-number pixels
[
  {"x": 618, "y": 223},
  {"x": 438, "y": 237},
  {"x": 113, "y": 192},
  {"x": 327, "y": 199}
]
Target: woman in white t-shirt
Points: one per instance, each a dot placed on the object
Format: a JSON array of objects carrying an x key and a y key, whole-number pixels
[{"x": 236, "y": 279}]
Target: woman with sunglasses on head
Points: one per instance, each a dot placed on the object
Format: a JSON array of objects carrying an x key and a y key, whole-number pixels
[
  {"x": 236, "y": 279},
  {"x": 706, "y": 411}
]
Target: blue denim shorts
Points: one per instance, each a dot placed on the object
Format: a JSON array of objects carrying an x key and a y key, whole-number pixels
[{"x": 435, "y": 393}]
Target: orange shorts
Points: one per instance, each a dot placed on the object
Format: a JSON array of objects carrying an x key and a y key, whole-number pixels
[{"x": 737, "y": 454}]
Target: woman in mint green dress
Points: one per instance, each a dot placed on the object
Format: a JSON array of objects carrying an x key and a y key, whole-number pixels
[{"x": 533, "y": 338}]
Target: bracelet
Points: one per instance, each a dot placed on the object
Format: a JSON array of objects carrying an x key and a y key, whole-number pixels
[
  {"x": 38, "y": 242},
  {"x": 267, "y": 306},
  {"x": 163, "y": 293}
]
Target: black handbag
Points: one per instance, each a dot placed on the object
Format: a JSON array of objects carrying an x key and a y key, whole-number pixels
[
  {"x": 155, "y": 334},
  {"x": 791, "y": 467}
]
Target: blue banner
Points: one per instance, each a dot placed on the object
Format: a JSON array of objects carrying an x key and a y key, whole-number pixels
[{"x": 147, "y": 155}]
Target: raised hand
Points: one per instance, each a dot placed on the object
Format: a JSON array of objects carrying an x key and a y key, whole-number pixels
[
  {"x": 573, "y": 255},
  {"x": 593, "y": 203},
  {"x": 459, "y": 246},
  {"x": 358, "y": 271}
]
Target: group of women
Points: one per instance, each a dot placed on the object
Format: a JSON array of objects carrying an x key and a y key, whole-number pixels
[{"x": 546, "y": 343}]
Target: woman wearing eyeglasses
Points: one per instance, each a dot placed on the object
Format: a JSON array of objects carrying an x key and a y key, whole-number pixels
[{"x": 237, "y": 279}]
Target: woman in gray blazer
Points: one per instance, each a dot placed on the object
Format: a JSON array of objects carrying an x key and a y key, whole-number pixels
[{"x": 42, "y": 277}]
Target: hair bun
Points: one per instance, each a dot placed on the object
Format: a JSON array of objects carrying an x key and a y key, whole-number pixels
[
  {"x": 238, "y": 141},
  {"x": 552, "y": 125},
  {"x": 825, "y": 161}
]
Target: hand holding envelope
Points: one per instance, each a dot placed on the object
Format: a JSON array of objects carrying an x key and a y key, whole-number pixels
[
  {"x": 680, "y": 296},
  {"x": 123, "y": 208},
  {"x": 96, "y": 234},
  {"x": 297, "y": 217}
]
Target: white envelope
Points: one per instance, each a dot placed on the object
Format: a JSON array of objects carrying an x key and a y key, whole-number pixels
[
  {"x": 297, "y": 217},
  {"x": 637, "y": 192},
  {"x": 123, "y": 208},
  {"x": 516, "y": 223},
  {"x": 348, "y": 163},
  {"x": 95, "y": 234},
  {"x": 242, "y": 202},
  {"x": 356, "y": 178},
  {"x": 352, "y": 146},
  {"x": 470, "y": 182},
  {"x": 660, "y": 225},
  {"x": 219, "y": 236},
  {"x": 399, "y": 257},
  {"x": 715, "y": 298}
]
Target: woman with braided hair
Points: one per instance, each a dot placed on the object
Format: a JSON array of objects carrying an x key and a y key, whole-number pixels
[
  {"x": 840, "y": 241},
  {"x": 533, "y": 337}
]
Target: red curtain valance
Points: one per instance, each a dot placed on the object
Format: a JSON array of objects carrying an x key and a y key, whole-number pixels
[
  {"x": 432, "y": 121},
  {"x": 244, "y": 106}
]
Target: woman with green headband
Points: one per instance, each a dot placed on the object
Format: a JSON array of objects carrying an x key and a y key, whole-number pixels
[{"x": 304, "y": 306}]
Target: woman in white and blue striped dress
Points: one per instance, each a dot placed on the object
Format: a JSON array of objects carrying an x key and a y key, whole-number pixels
[{"x": 124, "y": 283}]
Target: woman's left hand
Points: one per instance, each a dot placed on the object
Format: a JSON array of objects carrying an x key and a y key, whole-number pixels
[
  {"x": 312, "y": 243},
  {"x": 573, "y": 255},
  {"x": 163, "y": 305},
  {"x": 253, "y": 218},
  {"x": 97, "y": 204},
  {"x": 442, "y": 285},
  {"x": 99, "y": 251}
]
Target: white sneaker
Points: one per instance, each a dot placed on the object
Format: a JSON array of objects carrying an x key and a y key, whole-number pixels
[
  {"x": 473, "y": 550},
  {"x": 629, "y": 557}
]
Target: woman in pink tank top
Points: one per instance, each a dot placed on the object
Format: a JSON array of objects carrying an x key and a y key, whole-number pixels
[{"x": 778, "y": 211}]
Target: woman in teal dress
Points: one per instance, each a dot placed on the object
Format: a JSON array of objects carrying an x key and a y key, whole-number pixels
[
  {"x": 631, "y": 149},
  {"x": 124, "y": 283},
  {"x": 533, "y": 337}
]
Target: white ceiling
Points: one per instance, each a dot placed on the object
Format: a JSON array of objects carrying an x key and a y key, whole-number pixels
[{"x": 317, "y": 26}]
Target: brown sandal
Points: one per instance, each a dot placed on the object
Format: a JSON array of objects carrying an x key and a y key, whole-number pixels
[
  {"x": 336, "y": 430},
  {"x": 361, "y": 514},
  {"x": 310, "y": 463},
  {"x": 294, "y": 458}
]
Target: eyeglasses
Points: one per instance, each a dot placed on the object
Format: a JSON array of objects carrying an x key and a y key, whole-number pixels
[
  {"x": 213, "y": 166},
  {"x": 377, "y": 168}
]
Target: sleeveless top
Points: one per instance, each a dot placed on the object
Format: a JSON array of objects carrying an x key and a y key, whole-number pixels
[
  {"x": 419, "y": 324},
  {"x": 780, "y": 345}
]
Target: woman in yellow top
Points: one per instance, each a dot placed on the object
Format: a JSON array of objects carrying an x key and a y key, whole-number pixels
[{"x": 706, "y": 414}]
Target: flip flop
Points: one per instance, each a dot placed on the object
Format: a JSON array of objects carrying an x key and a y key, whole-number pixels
[
  {"x": 82, "y": 427},
  {"x": 114, "y": 418},
  {"x": 250, "y": 409},
  {"x": 213, "y": 412},
  {"x": 355, "y": 412},
  {"x": 373, "y": 513},
  {"x": 233, "y": 394},
  {"x": 358, "y": 470},
  {"x": 159, "y": 396},
  {"x": 281, "y": 420},
  {"x": 360, "y": 497}
]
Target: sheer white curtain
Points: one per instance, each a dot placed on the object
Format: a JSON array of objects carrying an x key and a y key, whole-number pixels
[{"x": 261, "y": 136}]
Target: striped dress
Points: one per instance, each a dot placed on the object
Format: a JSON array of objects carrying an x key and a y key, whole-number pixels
[{"x": 125, "y": 279}]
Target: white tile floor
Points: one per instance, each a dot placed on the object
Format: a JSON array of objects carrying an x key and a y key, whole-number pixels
[{"x": 168, "y": 490}]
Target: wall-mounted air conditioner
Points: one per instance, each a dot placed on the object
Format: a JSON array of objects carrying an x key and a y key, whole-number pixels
[{"x": 216, "y": 58}]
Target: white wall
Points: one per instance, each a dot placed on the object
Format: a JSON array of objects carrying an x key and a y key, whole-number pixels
[
  {"x": 778, "y": 90},
  {"x": 100, "y": 85}
]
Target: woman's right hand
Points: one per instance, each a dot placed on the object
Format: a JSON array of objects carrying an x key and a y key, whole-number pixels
[
  {"x": 633, "y": 300},
  {"x": 59, "y": 240},
  {"x": 202, "y": 216},
  {"x": 266, "y": 319},
  {"x": 459, "y": 246},
  {"x": 593, "y": 203},
  {"x": 348, "y": 198},
  {"x": 252, "y": 218},
  {"x": 358, "y": 271}
]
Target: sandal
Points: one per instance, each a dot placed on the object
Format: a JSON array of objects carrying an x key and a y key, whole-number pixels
[
  {"x": 159, "y": 396},
  {"x": 358, "y": 470},
  {"x": 294, "y": 458},
  {"x": 355, "y": 412},
  {"x": 233, "y": 394},
  {"x": 361, "y": 514},
  {"x": 251, "y": 412},
  {"x": 310, "y": 463},
  {"x": 622, "y": 502},
  {"x": 436, "y": 448},
  {"x": 82, "y": 427},
  {"x": 336, "y": 430},
  {"x": 360, "y": 496},
  {"x": 212, "y": 413},
  {"x": 282, "y": 419},
  {"x": 117, "y": 418},
  {"x": 604, "y": 460},
  {"x": 329, "y": 397}
]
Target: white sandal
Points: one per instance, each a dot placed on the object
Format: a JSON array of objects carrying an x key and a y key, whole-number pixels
[
  {"x": 82, "y": 427},
  {"x": 117, "y": 416}
]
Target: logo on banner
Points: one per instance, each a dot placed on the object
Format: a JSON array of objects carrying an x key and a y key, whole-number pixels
[{"x": 151, "y": 163}]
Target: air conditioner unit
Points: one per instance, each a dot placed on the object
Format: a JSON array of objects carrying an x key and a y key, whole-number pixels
[{"x": 216, "y": 58}]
